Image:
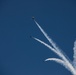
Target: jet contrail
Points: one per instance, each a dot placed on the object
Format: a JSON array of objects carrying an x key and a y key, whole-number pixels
[
  {"x": 58, "y": 61},
  {"x": 54, "y": 50},
  {"x": 54, "y": 59},
  {"x": 51, "y": 42},
  {"x": 47, "y": 37},
  {"x": 46, "y": 45},
  {"x": 64, "y": 60},
  {"x": 74, "y": 56}
]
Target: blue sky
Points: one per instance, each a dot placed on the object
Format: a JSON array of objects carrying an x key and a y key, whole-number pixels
[{"x": 21, "y": 55}]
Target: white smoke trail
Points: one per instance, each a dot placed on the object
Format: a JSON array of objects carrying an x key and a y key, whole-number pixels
[
  {"x": 54, "y": 50},
  {"x": 52, "y": 43},
  {"x": 47, "y": 37},
  {"x": 67, "y": 64},
  {"x": 58, "y": 61},
  {"x": 46, "y": 45},
  {"x": 74, "y": 56}
]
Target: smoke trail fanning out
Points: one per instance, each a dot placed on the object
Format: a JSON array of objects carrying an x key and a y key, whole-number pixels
[
  {"x": 64, "y": 60},
  {"x": 74, "y": 61},
  {"x": 59, "y": 51}
]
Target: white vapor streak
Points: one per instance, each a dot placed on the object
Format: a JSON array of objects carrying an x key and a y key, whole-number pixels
[
  {"x": 46, "y": 45},
  {"x": 61, "y": 54},
  {"x": 50, "y": 41},
  {"x": 55, "y": 49},
  {"x": 74, "y": 56},
  {"x": 58, "y": 61},
  {"x": 68, "y": 66},
  {"x": 47, "y": 37}
]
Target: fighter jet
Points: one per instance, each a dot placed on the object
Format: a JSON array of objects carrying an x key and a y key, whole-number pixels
[{"x": 33, "y": 18}]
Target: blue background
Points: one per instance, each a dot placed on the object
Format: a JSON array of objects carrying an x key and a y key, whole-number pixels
[{"x": 21, "y": 55}]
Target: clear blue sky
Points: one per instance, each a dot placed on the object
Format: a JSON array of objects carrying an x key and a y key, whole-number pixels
[{"x": 21, "y": 55}]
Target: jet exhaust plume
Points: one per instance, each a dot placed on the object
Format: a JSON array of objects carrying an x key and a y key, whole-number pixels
[{"x": 65, "y": 61}]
